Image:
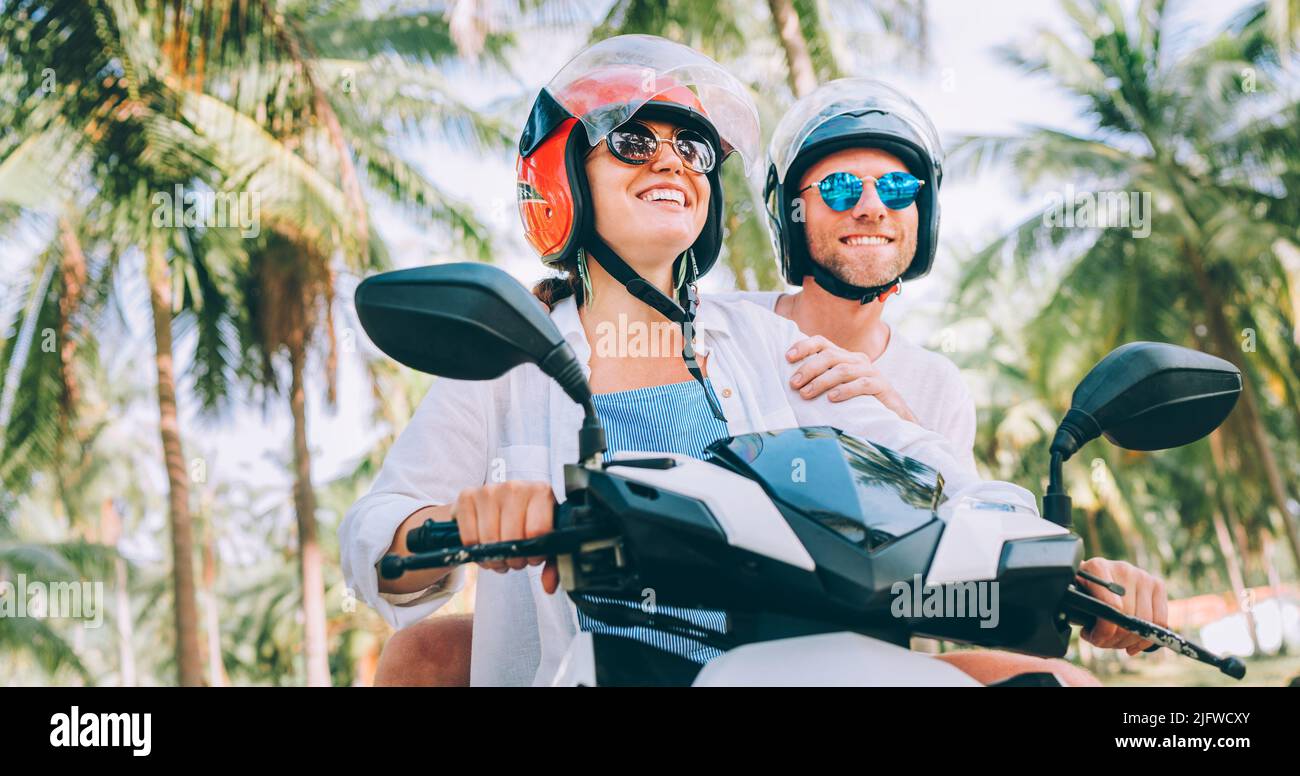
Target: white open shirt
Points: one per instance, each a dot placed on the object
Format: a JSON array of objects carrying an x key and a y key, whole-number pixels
[{"x": 523, "y": 422}]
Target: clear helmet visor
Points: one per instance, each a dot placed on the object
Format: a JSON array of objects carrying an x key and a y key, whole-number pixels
[
  {"x": 607, "y": 83},
  {"x": 848, "y": 95}
]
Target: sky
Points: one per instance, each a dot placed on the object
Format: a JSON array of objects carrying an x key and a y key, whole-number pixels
[{"x": 967, "y": 90}]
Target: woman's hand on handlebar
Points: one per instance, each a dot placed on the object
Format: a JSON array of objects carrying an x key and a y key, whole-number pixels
[
  {"x": 1144, "y": 597},
  {"x": 504, "y": 512}
]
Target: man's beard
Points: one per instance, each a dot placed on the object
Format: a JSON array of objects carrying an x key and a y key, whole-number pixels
[{"x": 831, "y": 254}]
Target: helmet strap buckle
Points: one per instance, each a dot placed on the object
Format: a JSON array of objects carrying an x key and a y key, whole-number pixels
[
  {"x": 860, "y": 294},
  {"x": 895, "y": 288}
]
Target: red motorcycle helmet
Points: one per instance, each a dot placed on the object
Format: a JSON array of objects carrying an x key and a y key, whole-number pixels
[{"x": 601, "y": 88}]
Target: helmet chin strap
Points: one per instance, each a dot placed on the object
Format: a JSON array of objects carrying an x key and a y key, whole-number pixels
[
  {"x": 682, "y": 313},
  {"x": 860, "y": 294}
]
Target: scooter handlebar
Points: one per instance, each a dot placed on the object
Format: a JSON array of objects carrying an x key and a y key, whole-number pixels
[
  {"x": 1085, "y": 610},
  {"x": 437, "y": 545}
]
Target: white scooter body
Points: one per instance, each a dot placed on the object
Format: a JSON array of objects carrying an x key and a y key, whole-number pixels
[
  {"x": 829, "y": 660},
  {"x": 826, "y": 660},
  {"x": 969, "y": 550}
]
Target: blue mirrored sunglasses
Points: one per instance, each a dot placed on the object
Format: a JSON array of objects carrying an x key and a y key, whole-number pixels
[{"x": 842, "y": 190}]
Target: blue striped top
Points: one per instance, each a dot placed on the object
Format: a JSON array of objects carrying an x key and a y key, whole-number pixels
[{"x": 673, "y": 418}]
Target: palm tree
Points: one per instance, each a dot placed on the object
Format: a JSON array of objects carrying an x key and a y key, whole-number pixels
[
  {"x": 786, "y": 21},
  {"x": 258, "y": 92},
  {"x": 36, "y": 637},
  {"x": 289, "y": 287},
  {"x": 91, "y": 75},
  {"x": 65, "y": 525},
  {"x": 1278, "y": 21},
  {"x": 1212, "y": 155},
  {"x": 110, "y": 533}
]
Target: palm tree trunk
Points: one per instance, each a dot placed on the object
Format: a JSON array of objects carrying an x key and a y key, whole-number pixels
[
  {"x": 212, "y": 617},
  {"x": 1258, "y": 438},
  {"x": 72, "y": 269},
  {"x": 1249, "y": 559},
  {"x": 189, "y": 664},
  {"x": 110, "y": 531},
  {"x": 125, "y": 636},
  {"x": 799, "y": 66},
  {"x": 309, "y": 556},
  {"x": 1235, "y": 577},
  {"x": 1270, "y": 566},
  {"x": 324, "y": 112},
  {"x": 72, "y": 281}
]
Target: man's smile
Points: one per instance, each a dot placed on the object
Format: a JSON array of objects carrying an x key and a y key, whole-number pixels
[{"x": 866, "y": 239}]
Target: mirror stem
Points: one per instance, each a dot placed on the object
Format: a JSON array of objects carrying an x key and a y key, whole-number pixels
[
  {"x": 562, "y": 365},
  {"x": 1056, "y": 502},
  {"x": 591, "y": 437}
]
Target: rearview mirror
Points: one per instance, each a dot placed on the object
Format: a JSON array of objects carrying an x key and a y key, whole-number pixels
[
  {"x": 1149, "y": 396},
  {"x": 465, "y": 321}
]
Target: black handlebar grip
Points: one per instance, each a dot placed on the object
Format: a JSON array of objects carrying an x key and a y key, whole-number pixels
[
  {"x": 392, "y": 566},
  {"x": 436, "y": 535},
  {"x": 436, "y": 544},
  {"x": 433, "y": 535}
]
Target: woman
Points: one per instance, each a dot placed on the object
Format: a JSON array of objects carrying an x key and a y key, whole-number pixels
[{"x": 620, "y": 188}]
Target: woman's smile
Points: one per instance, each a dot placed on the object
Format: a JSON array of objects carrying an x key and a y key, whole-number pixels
[{"x": 666, "y": 194}]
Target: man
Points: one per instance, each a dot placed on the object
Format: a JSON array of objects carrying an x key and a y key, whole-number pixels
[
  {"x": 835, "y": 158},
  {"x": 852, "y": 190}
]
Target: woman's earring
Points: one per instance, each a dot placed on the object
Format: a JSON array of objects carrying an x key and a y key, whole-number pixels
[
  {"x": 681, "y": 269},
  {"x": 587, "y": 293},
  {"x": 682, "y": 275}
]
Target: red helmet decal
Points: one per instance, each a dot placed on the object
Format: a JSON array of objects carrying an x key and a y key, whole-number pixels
[{"x": 615, "y": 85}]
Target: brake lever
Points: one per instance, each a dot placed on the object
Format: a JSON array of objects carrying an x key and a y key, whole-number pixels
[
  {"x": 1085, "y": 610},
  {"x": 1113, "y": 587}
]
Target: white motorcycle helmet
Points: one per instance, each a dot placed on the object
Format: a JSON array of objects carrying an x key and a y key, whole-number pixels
[{"x": 848, "y": 113}]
